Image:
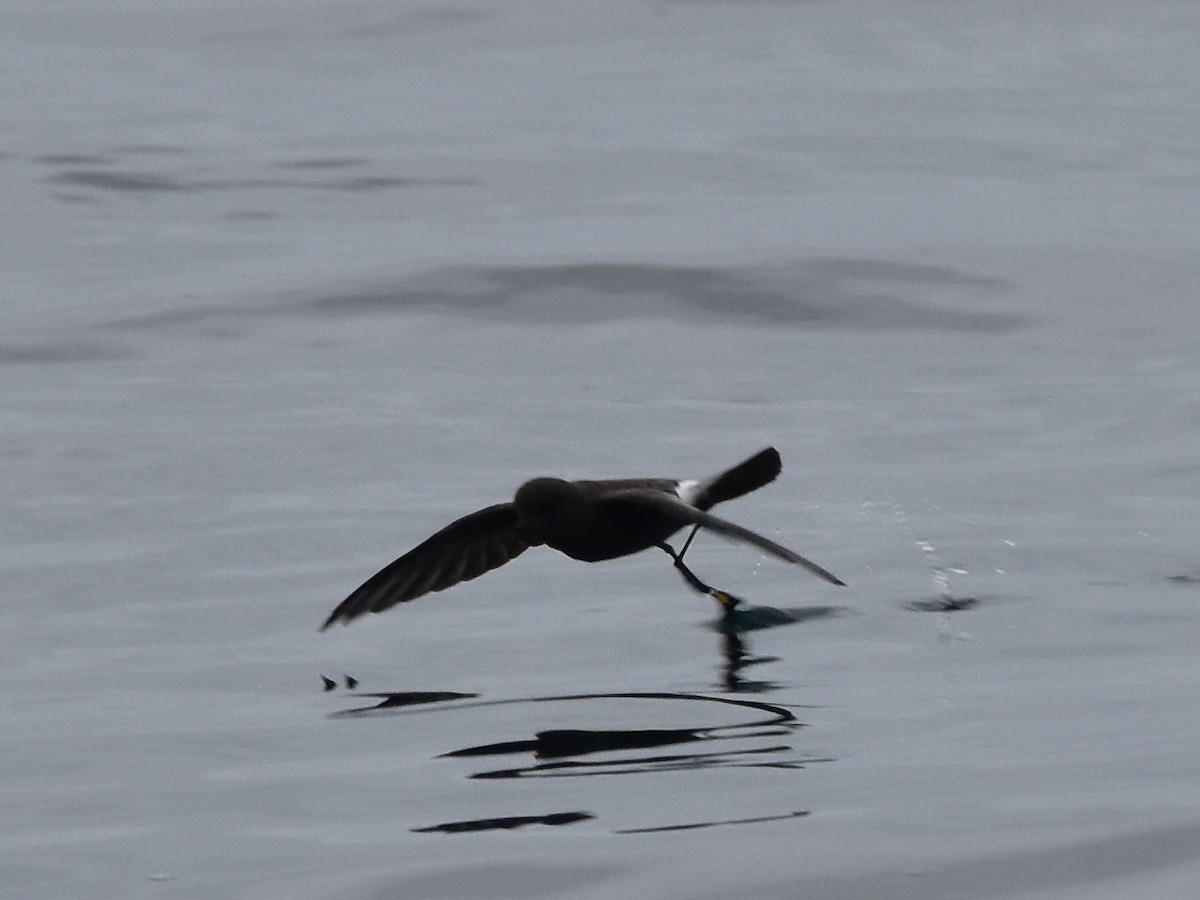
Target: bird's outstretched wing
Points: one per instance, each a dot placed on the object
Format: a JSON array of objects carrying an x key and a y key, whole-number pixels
[
  {"x": 749, "y": 475},
  {"x": 672, "y": 509},
  {"x": 463, "y": 550}
]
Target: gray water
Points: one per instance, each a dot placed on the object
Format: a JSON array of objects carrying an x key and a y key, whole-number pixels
[{"x": 288, "y": 288}]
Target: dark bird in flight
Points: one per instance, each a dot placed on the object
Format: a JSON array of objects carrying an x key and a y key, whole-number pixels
[{"x": 587, "y": 520}]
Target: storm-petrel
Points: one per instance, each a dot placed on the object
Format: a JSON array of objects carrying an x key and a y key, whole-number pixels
[{"x": 587, "y": 520}]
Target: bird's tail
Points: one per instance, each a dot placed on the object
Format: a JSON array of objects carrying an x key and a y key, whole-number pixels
[{"x": 759, "y": 470}]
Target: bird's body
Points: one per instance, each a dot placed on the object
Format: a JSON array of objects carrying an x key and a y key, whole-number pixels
[{"x": 589, "y": 521}]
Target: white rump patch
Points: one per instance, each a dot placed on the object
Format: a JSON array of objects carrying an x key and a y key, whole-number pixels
[{"x": 688, "y": 491}]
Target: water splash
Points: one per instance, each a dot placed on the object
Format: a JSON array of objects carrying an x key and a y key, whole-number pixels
[{"x": 944, "y": 598}]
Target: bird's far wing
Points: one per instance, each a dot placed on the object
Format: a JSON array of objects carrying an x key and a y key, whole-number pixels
[
  {"x": 463, "y": 550},
  {"x": 688, "y": 515},
  {"x": 749, "y": 475}
]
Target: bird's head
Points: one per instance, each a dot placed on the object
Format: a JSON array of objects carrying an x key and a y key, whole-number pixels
[
  {"x": 547, "y": 505},
  {"x": 542, "y": 497}
]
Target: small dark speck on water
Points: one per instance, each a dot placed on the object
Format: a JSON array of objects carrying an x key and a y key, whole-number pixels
[{"x": 943, "y": 604}]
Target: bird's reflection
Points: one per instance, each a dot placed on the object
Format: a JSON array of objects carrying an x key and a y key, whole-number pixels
[
  {"x": 562, "y": 752},
  {"x": 721, "y": 733},
  {"x": 738, "y": 657},
  {"x": 736, "y": 621}
]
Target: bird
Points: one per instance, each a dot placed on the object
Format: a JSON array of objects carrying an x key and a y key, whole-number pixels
[{"x": 590, "y": 521}]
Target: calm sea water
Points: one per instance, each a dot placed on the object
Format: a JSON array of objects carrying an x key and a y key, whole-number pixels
[{"x": 287, "y": 289}]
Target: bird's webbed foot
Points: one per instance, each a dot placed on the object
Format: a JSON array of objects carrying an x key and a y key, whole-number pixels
[{"x": 727, "y": 601}]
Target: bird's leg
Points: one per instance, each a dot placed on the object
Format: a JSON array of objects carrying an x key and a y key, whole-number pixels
[
  {"x": 728, "y": 601},
  {"x": 688, "y": 542}
]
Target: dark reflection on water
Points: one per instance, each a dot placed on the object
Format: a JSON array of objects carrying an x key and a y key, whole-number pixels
[
  {"x": 629, "y": 765},
  {"x": 505, "y": 823},
  {"x": 944, "y": 603},
  {"x": 692, "y": 826},
  {"x": 738, "y": 657},
  {"x": 735, "y": 649},
  {"x": 560, "y": 752},
  {"x": 733, "y": 732},
  {"x": 578, "y": 742},
  {"x": 755, "y": 618},
  {"x": 399, "y": 699}
]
